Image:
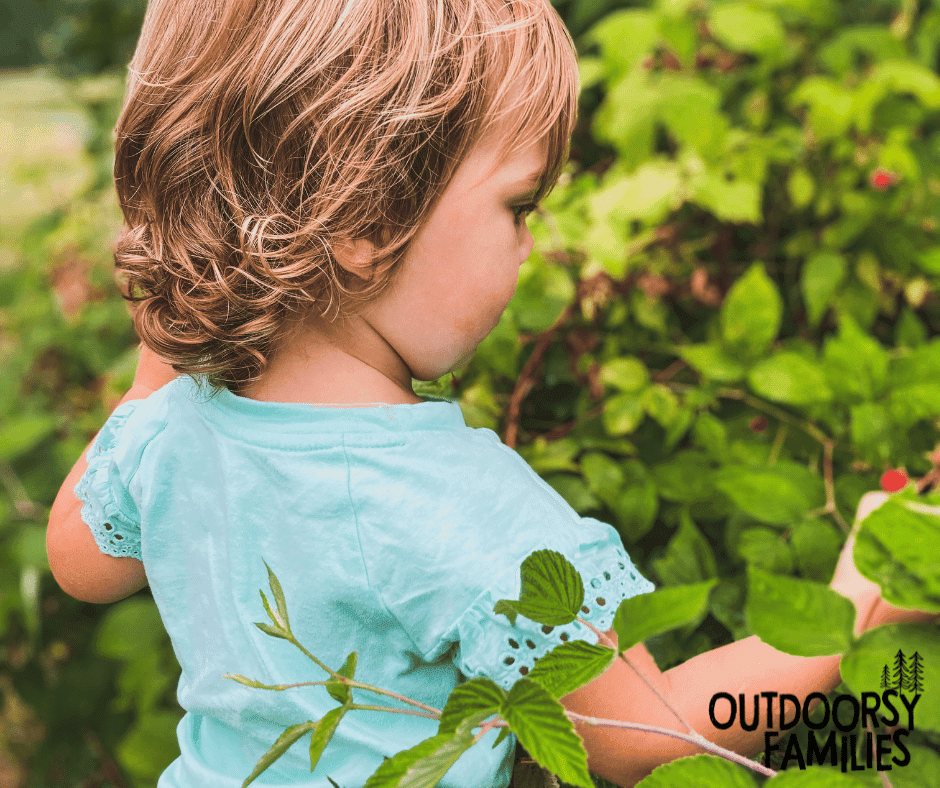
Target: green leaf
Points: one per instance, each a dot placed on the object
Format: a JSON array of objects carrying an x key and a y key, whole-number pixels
[
  {"x": 543, "y": 292},
  {"x": 743, "y": 28},
  {"x": 861, "y": 667},
  {"x": 766, "y": 549},
  {"x": 898, "y": 547},
  {"x": 855, "y": 364},
  {"x": 546, "y": 733},
  {"x": 700, "y": 771},
  {"x": 129, "y": 627},
  {"x": 24, "y": 433},
  {"x": 816, "y": 546},
  {"x": 911, "y": 404},
  {"x": 800, "y": 187},
  {"x": 323, "y": 732},
  {"x": 789, "y": 378},
  {"x": 685, "y": 477},
  {"x": 339, "y": 691},
  {"x": 552, "y": 591},
  {"x": 751, "y": 313},
  {"x": 627, "y": 373},
  {"x": 731, "y": 201},
  {"x": 689, "y": 557},
  {"x": 603, "y": 476},
  {"x": 661, "y": 404},
  {"x": 822, "y": 274},
  {"x": 471, "y": 698},
  {"x": 873, "y": 431},
  {"x": 283, "y": 743},
  {"x": 425, "y": 764},
  {"x": 798, "y": 616},
  {"x": 275, "y": 632},
  {"x": 284, "y": 622},
  {"x": 622, "y": 414},
  {"x": 571, "y": 665},
  {"x": 713, "y": 362},
  {"x": 646, "y": 615},
  {"x": 637, "y": 503},
  {"x": 779, "y": 494}
]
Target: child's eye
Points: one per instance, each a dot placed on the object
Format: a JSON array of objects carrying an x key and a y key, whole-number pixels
[{"x": 521, "y": 211}]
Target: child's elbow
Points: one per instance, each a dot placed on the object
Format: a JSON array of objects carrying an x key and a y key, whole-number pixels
[{"x": 82, "y": 570}]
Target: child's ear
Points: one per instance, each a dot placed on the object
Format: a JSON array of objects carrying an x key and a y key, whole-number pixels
[{"x": 354, "y": 255}]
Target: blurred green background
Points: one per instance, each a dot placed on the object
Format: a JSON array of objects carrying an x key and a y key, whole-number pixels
[{"x": 724, "y": 338}]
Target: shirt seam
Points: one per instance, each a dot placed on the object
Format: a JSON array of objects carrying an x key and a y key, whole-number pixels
[{"x": 362, "y": 555}]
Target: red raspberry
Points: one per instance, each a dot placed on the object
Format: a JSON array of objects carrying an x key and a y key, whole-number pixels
[
  {"x": 881, "y": 179},
  {"x": 892, "y": 481}
]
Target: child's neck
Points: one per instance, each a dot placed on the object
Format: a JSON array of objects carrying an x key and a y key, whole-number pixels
[{"x": 343, "y": 363}]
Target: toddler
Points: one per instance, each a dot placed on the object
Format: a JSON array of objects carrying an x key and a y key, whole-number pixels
[{"x": 324, "y": 200}]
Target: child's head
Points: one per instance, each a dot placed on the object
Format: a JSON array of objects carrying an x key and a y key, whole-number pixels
[{"x": 260, "y": 136}]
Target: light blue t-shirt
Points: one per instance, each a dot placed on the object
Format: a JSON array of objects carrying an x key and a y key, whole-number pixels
[{"x": 393, "y": 530}]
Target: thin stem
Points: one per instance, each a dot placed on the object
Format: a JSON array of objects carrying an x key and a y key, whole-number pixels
[
  {"x": 602, "y": 637},
  {"x": 348, "y": 682},
  {"x": 698, "y": 741},
  {"x": 369, "y": 707},
  {"x": 779, "y": 438}
]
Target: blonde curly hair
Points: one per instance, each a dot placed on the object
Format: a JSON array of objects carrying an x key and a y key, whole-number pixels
[{"x": 256, "y": 136}]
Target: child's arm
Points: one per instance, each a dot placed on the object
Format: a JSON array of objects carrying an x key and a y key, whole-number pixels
[
  {"x": 77, "y": 563},
  {"x": 747, "y": 666}
]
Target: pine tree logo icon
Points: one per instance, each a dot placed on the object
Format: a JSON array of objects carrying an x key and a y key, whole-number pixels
[
  {"x": 907, "y": 673},
  {"x": 915, "y": 676}
]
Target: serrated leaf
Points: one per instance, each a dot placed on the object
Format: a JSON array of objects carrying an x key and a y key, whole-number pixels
[
  {"x": 339, "y": 691},
  {"x": 425, "y": 764},
  {"x": 323, "y": 732},
  {"x": 701, "y": 771},
  {"x": 646, "y": 615},
  {"x": 473, "y": 697},
  {"x": 278, "y": 598},
  {"x": 552, "y": 591},
  {"x": 546, "y": 733},
  {"x": 283, "y": 743},
  {"x": 571, "y": 665},
  {"x": 798, "y": 616}
]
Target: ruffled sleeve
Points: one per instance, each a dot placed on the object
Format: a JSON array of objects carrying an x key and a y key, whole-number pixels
[
  {"x": 108, "y": 508},
  {"x": 490, "y": 646}
]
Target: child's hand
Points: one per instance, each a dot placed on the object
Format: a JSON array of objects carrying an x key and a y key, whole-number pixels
[
  {"x": 864, "y": 594},
  {"x": 847, "y": 580}
]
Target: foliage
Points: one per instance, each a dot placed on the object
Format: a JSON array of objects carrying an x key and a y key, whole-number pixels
[
  {"x": 721, "y": 342},
  {"x": 552, "y": 593}
]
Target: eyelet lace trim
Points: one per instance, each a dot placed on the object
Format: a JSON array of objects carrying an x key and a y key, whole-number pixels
[
  {"x": 520, "y": 646},
  {"x": 115, "y": 533}
]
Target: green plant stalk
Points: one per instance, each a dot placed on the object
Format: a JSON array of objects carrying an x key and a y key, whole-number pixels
[{"x": 692, "y": 737}]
